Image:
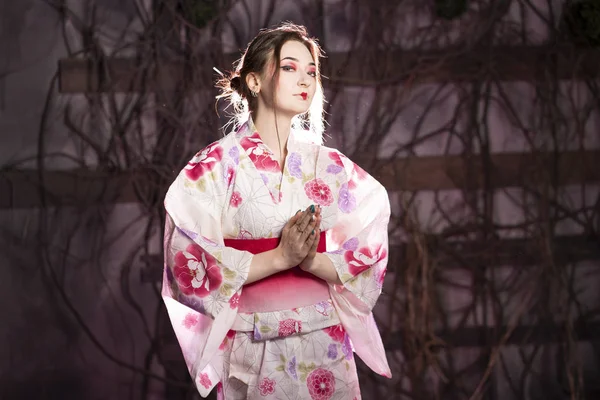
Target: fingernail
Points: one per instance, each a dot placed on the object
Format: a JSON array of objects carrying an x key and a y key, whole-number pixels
[
  {"x": 312, "y": 208},
  {"x": 313, "y": 232},
  {"x": 297, "y": 212}
]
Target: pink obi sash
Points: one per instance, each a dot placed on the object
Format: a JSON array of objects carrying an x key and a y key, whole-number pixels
[{"x": 283, "y": 290}]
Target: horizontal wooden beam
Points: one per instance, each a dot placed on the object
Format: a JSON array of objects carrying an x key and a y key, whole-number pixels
[
  {"x": 79, "y": 187},
  {"x": 476, "y": 254},
  {"x": 479, "y": 336},
  {"x": 24, "y": 188},
  {"x": 501, "y": 170},
  {"x": 356, "y": 67}
]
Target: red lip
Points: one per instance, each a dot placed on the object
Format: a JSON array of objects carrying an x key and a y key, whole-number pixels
[{"x": 304, "y": 95}]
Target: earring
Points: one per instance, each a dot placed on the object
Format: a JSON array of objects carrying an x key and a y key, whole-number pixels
[{"x": 254, "y": 93}]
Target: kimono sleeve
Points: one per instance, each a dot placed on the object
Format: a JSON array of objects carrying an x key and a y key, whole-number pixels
[
  {"x": 202, "y": 277},
  {"x": 359, "y": 237},
  {"x": 359, "y": 253}
]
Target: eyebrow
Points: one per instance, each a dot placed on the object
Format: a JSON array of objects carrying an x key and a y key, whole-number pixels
[{"x": 295, "y": 59}]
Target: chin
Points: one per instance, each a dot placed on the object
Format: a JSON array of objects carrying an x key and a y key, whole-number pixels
[{"x": 293, "y": 112}]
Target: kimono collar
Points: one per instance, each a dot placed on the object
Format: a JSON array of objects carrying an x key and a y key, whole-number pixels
[{"x": 248, "y": 129}]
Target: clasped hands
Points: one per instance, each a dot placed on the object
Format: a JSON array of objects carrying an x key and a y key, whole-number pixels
[{"x": 300, "y": 238}]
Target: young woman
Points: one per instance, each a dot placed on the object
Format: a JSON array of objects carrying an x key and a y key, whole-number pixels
[{"x": 276, "y": 246}]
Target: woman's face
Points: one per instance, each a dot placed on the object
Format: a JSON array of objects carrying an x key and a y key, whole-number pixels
[{"x": 297, "y": 82}]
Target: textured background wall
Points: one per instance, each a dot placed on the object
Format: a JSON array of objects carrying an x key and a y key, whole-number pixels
[{"x": 484, "y": 129}]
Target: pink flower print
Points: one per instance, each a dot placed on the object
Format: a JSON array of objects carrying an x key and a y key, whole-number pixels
[
  {"x": 289, "y": 327},
  {"x": 204, "y": 161},
  {"x": 228, "y": 174},
  {"x": 190, "y": 320},
  {"x": 236, "y": 199},
  {"x": 336, "y": 332},
  {"x": 260, "y": 156},
  {"x": 338, "y": 160},
  {"x": 346, "y": 200},
  {"x": 319, "y": 192},
  {"x": 381, "y": 277},
  {"x": 321, "y": 384},
  {"x": 205, "y": 380},
  {"x": 228, "y": 337},
  {"x": 234, "y": 302},
  {"x": 363, "y": 259},
  {"x": 266, "y": 386},
  {"x": 196, "y": 271}
]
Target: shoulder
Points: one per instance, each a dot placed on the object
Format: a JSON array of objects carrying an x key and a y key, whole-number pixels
[
  {"x": 206, "y": 167},
  {"x": 206, "y": 160},
  {"x": 353, "y": 174}
]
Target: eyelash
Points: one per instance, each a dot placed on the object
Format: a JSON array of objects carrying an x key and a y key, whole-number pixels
[{"x": 289, "y": 68}]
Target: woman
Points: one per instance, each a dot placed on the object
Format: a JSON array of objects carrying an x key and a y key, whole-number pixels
[{"x": 276, "y": 246}]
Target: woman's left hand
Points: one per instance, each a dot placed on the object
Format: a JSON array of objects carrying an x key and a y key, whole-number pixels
[{"x": 307, "y": 263}]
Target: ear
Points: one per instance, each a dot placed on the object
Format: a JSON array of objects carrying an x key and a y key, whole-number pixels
[{"x": 253, "y": 81}]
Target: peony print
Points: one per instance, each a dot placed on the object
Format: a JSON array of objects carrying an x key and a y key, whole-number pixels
[
  {"x": 204, "y": 161},
  {"x": 260, "y": 156},
  {"x": 196, "y": 271},
  {"x": 319, "y": 192},
  {"x": 266, "y": 386},
  {"x": 336, "y": 332},
  {"x": 321, "y": 384},
  {"x": 363, "y": 259},
  {"x": 289, "y": 327}
]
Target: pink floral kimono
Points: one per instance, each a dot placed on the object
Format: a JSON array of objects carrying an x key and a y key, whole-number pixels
[{"x": 289, "y": 336}]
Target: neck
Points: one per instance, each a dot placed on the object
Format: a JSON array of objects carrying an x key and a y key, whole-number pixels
[{"x": 268, "y": 127}]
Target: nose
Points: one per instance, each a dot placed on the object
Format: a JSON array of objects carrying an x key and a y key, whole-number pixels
[{"x": 304, "y": 80}]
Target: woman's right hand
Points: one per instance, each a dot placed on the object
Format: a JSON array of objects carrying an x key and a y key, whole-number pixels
[{"x": 296, "y": 237}]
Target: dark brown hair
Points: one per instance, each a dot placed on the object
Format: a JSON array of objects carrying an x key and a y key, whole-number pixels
[{"x": 265, "y": 48}]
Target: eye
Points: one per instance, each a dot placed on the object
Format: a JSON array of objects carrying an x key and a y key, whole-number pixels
[
  {"x": 288, "y": 68},
  {"x": 313, "y": 73}
]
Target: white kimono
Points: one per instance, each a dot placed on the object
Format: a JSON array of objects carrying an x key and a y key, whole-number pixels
[{"x": 289, "y": 346}]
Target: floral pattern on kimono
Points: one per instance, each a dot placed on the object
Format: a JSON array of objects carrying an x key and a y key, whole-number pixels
[{"x": 235, "y": 188}]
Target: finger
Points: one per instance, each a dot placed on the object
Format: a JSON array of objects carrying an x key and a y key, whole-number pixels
[
  {"x": 306, "y": 219},
  {"x": 313, "y": 241},
  {"x": 290, "y": 223},
  {"x": 296, "y": 218},
  {"x": 310, "y": 230},
  {"x": 299, "y": 214}
]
